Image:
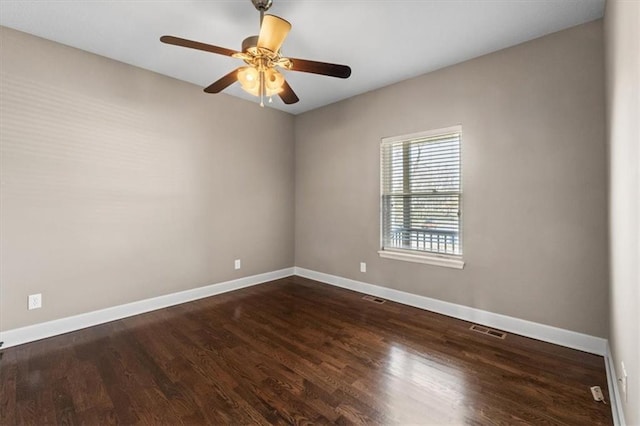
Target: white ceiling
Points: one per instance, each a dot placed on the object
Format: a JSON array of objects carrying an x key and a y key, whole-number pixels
[{"x": 383, "y": 41}]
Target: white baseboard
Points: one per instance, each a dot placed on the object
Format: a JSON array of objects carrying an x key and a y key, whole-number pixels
[
  {"x": 546, "y": 333},
  {"x": 614, "y": 393},
  {"x": 35, "y": 332},
  {"x": 571, "y": 339}
]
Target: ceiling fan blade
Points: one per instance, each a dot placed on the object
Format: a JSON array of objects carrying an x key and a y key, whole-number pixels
[
  {"x": 177, "y": 41},
  {"x": 323, "y": 68},
  {"x": 287, "y": 95},
  {"x": 224, "y": 82},
  {"x": 273, "y": 31}
]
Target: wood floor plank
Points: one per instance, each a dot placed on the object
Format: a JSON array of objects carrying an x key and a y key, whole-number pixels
[
  {"x": 8, "y": 379},
  {"x": 295, "y": 351}
]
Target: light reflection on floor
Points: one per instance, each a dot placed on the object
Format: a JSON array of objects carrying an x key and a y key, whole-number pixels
[{"x": 423, "y": 390}]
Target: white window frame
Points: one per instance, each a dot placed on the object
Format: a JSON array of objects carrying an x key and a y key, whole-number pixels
[{"x": 425, "y": 257}]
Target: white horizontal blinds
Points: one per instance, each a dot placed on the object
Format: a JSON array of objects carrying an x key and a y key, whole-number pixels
[{"x": 421, "y": 194}]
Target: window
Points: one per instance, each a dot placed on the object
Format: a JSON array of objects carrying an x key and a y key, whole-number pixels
[{"x": 421, "y": 197}]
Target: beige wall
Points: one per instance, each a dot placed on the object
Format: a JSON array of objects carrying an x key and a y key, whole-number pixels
[
  {"x": 622, "y": 35},
  {"x": 534, "y": 181},
  {"x": 119, "y": 184}
]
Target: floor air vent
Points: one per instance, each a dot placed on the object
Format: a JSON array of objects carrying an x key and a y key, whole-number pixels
[
  {"x": 488, "y": 331},
  {"x": 373, "y": 299}
]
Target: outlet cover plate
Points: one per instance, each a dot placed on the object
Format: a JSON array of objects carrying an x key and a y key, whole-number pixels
[
  {"x": 237, "y": 264},
  {"x": 35, "y": 301}
]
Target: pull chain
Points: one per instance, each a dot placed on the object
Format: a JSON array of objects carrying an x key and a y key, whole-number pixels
[{"x": 262, "y": 87}]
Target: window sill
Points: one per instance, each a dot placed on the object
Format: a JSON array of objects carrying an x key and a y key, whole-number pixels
[{"x": 447, "y": 262}]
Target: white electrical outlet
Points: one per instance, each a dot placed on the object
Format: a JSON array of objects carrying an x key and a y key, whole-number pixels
[
  {"x": 237, "y": 264},
  {"x": 623, "y": 383},
  {"x": 363, "y": 267},
  {"x": 35, "y": 301}
]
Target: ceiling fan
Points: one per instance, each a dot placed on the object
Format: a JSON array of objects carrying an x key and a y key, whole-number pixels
[{"x": 260, "y": 77}]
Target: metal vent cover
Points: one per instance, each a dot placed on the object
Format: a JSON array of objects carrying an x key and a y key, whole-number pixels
[
  {"x": 488, "y": 331},
  {"x": 374, "y": 299}
]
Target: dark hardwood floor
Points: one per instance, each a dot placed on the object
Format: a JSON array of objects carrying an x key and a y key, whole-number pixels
[{"x": 296, "y": 351}]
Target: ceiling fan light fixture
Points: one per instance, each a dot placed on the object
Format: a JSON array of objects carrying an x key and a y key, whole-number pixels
[{"x": 249, "y": 78}]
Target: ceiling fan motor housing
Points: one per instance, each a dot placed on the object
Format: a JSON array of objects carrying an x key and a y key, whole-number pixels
[{"x": 249, "y": 42}]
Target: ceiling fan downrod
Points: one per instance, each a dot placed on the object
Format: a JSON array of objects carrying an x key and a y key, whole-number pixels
[{"x": 262, "y": 6}]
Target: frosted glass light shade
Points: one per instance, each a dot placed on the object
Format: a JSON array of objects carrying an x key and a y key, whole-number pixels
[
  {"x": 249, "y": 79},
  {"x": 273, "y": 80}
]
